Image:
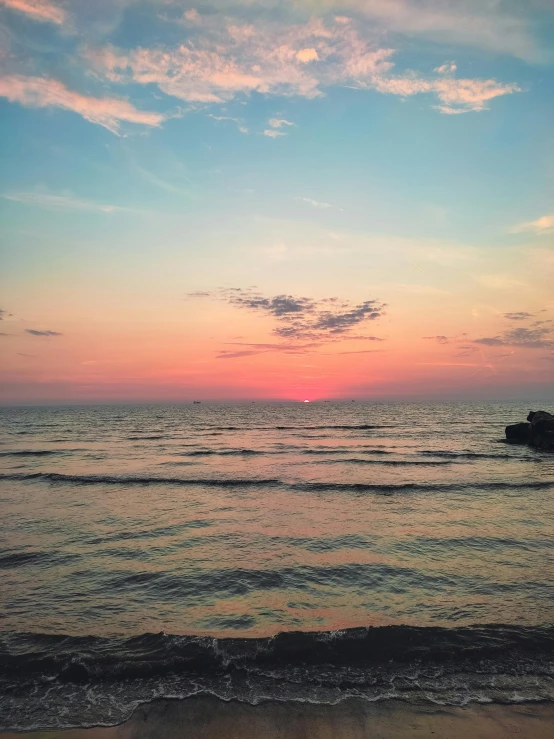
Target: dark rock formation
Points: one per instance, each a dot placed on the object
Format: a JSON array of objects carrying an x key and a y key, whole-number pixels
[
  {"x": 518, "y": 433},
  {"x": 538, "y": 432}
]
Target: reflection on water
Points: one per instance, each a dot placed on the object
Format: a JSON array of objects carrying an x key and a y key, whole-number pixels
[{"x": 261, "y": 518}]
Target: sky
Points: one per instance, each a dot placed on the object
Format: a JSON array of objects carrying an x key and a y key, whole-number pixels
[{"x": 276, "y": 199}]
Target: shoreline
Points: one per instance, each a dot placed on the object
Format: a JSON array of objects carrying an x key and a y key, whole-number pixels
[{"x": 211, "y": 718}]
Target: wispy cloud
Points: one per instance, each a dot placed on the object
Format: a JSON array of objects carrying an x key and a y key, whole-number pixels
[
  {"x": 35, "y": 332},
  {"x": 199, "y": 294},
  {"x": 441, "y": 339},
  {"x": 319, "y": 204},
  {"x": 39, "y": 10},
  {"x": 542, "y": 226},
  {"x": 485, "y": 25},
  {"x": 500, "y": 281},
  {"x": 301, "y": 318},
  {"x": 467, "y": 350},
  {"x": 359, "y": 351},
  {"x": 288, "y": 348},
  {"x": 42, "y": 92},
  {"x": 413, "y": 288},
  {"x": 65, "y": 202},
  {"x": 446, "y": 68},
  {"x": 226, "y": 58},
  {"x": 518, "y": 316},
  {"x": 526, "y": 338},
  {"x": 276, "y": 125},
  {"x": 254, "y": 349},
  {"x": 280, "y": 122},
  {"x": 238, "y": 121}
]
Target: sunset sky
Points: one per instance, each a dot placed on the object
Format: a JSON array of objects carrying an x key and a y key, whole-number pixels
[{"x": 275, "y": 199}]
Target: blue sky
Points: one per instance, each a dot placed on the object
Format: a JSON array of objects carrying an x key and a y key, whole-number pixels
[{"x": 370, "y": 150}]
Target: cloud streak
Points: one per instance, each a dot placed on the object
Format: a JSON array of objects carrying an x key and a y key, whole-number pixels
[
  {"x": 441, "y": 339},
  {"x": 65, "y": 202},
  {"x": 239, "y": 123},
  {"x": 276, "y": 125},
  {"x": 518, "y": 316},
  {"x": 35, "y": 332},
  {"x": 42, "y": 92},
  {"x": 280, "y": 122},
  {"x": 320, "y": 205},
  {"x": 542, "y": 226},
  {"x": 526, "y": 338},
  {"x": 468, "y": 22},
  {"x": 265, "y": 349},
  {"x": 39, "y": 10}
]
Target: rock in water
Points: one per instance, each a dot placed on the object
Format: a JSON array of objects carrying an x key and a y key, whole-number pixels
[
  {"x": 536, "y": 416},
  {"x": 519, "y": 433},
  {"x": 538, "y": 432}
]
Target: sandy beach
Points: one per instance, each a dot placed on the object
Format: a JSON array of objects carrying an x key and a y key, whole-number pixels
[{"x": 209, "y": 718}]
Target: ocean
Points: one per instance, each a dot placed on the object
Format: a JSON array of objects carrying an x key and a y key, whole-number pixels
[{"x": 287, "y": 551}]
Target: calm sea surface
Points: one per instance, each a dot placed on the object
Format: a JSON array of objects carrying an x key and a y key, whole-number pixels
[{"x": 140, "y": 546}]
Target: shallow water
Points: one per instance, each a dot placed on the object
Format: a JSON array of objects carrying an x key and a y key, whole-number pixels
[{"x": 248, "y": 520}]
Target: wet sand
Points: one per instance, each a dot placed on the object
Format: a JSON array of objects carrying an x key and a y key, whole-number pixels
[{"x": 209, "y": 718}]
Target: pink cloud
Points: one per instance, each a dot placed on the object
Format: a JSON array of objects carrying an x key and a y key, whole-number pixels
[
  {"x": 214, "y": 69},
  {"x": 487, "y": 25},
  {"x": 543, "y": 225},
  {"x": 455, "y": 95},
  {"x": 226, "y": 59},
  {"x": 41, "y": 92},
  {"x": 307, "y": 55},
  {"x": 40, "y": 10},
  {"x": 460, "y": 95}
]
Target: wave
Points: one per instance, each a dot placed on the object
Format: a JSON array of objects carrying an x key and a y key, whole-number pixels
[
  {"x": 478, "y": 455},
  {"x": 259, "y": 452},
  {"x": 390, "y": 489},
  {"x": 33, "y": 452},
  {"x": 299, "y": 427},
  {"x": 345, "y": 450},
  {"x": 310, "y": 486},
  {"x": 223, "y": 453},
  {"x": 75, "y": 658},
  {"x": 17, "y": 559},
  {"x": 101, "y": 680},
  {"x": 390, "y": 462},
  {"x": 57, "y": 477},
  {"x": 344, "y": 427},
  {"x": 155, "y": 437}
]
